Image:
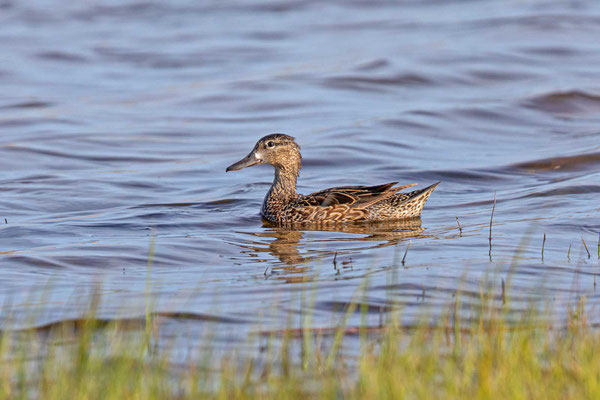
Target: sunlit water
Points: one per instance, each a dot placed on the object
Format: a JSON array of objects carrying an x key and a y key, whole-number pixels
[{"x": 118, "y": 118}]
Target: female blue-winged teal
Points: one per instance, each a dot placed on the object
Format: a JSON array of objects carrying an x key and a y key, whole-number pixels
[{"x": 340, "y": 204}]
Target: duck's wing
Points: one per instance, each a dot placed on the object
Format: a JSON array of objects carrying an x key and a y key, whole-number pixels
[{"x": 353, "y": 196}]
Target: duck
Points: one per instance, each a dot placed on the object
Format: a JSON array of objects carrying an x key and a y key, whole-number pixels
[{"x": 283, "y": 205}]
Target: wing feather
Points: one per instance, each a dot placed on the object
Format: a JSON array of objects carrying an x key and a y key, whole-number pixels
[{"x": 354, "y": 196}]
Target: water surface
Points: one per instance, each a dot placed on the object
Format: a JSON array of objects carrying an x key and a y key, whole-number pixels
[{"x": 118, "y": 118}]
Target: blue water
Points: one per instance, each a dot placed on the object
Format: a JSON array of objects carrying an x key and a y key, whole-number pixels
[{"x": 118, "y": 118}]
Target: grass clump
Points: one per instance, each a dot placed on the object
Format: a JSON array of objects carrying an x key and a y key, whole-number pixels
[
  {"x": 498, "y": 353},
  {"x": 490, "y": 359}
]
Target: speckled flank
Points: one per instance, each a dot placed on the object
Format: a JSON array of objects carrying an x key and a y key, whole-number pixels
[{"x": 340, "y": 204}]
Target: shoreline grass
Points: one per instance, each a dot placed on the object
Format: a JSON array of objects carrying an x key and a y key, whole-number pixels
[{"x": 487, "y": 357}]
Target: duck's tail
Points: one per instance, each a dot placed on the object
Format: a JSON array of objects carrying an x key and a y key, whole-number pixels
[{"x": 404, "y": 205}]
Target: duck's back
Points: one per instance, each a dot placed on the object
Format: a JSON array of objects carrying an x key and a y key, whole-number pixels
[{"x": 352, "y": 203}]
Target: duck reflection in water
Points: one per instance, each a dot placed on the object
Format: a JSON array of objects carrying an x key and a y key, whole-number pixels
[{"x": 288, "y": 240}]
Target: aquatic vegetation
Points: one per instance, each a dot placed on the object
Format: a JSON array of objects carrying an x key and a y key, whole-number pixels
[{"x": 487, "y": 357}]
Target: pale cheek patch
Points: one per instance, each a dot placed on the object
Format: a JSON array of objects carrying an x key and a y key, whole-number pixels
[{"x": 258, "y": 156}]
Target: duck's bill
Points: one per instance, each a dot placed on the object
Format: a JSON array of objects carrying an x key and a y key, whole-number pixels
[{"x": 247, "y": 161}]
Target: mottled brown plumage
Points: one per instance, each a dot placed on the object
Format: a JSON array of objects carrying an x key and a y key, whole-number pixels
[{"x": 339, "y": 204}]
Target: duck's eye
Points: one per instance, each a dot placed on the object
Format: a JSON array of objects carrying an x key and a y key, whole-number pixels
[{"x": 270, "y": 144}]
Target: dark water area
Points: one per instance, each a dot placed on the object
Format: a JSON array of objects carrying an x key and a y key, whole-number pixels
[{"x": 118, "y": 119}]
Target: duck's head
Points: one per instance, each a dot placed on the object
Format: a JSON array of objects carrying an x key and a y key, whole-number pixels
[{"x": 277, "y": 149}]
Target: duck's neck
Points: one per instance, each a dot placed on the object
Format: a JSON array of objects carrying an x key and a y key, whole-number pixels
[
  {"x": 284, "y": 185},
  {"x": 281, "y": 194}
]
